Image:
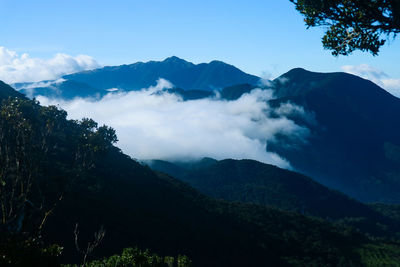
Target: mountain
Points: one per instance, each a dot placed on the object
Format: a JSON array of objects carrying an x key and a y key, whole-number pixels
[
  {"x": 228, "y": 93},
  {"x": 355, "y": 143},
  {"x": 236, "y": 91},
  {"x": 188, "y": 94},
  {"x": 250, "y": 181},
  {"x": 66, "y": 89},
  {"x": 260, "y": 183},
  {"x": 182, "y": 74},
  {"x": 76, "y": 176},
  {"x": 7, "y": 91}
]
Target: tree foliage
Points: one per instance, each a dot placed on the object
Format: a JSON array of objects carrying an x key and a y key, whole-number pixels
[
  {"x": 352, "y": 25},
  {"x": 135, "y": 257},
  {"x": 41, "y": 155},
  {"x": 29, "y": 136}
]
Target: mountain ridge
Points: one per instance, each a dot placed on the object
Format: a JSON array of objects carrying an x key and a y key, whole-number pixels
[
  {"x": 7, "y": 91},
  {"x": 182, "y": 74},
  {"x": 355, "y": 119},
  {"x": 174, "y": 64}
]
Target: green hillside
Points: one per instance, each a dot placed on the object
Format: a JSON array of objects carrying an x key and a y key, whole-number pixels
[
  {"x": 56, "y": 173},
  {"x": 254, "y": 182}
]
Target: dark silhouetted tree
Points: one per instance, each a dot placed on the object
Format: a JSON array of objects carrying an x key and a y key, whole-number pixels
[{"x": 352, "y": 25}]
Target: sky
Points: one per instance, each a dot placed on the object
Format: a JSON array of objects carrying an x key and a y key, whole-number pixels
[{"x": 264, "y": 38}]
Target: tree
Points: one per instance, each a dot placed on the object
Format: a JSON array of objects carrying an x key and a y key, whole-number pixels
[
  {"x": 42, "y": 157},
  {"x": 352, "y": 25},
  {"x": 24, "y": 144},
  {"x": 20, "y": 144}
]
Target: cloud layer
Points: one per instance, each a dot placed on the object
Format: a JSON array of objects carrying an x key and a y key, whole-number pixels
[
  {"x": 16, "y": 68},
  {"x": 375, "y": 75},
  {"x": 150, "y": 125}
]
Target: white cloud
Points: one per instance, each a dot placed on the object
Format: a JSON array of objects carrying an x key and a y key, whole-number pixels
[
  {"x": 163, "y": 126},
  {"x": 16, "y": 68},
  {"x": 392, "y": 86},
  {"x": 30, "y": 87},
  {"x": 265, "y": 80},
  {"x": 375, "y": 75}
]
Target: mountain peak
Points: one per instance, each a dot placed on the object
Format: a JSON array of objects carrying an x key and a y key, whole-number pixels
[
  {"x": 183, "y": 74},
  {"x": 218, "y": 62},
  {"x": 175, "y": 59},
  {"x": 298, "y": 70}
]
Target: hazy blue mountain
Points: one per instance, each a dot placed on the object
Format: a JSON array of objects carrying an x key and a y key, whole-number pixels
[
  {"x": 67, "y": 89},
  {"x": 236, "y": 91},
  {"x": 228, "y": 93},
  {"x": 188, "y": 94},
  {"x": 182, "y": 74},
  {"x": 355, "y": 144}
]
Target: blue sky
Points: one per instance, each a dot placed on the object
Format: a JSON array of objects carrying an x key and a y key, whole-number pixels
[{"x": 260, "y": 37}]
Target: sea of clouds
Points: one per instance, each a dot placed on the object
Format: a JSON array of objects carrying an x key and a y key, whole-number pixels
[{"x": 151, "y": 125}]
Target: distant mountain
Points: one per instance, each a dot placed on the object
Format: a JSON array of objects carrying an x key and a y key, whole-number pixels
[
  {"x": 355, "y": 142},
  {"x": 182, "y": 74},
  {"x": 236, "y": 91},
  {"x": 67, "y": 89},
  {"x": 188, "y": 94},
  {"x": 228, "y": 93}
]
